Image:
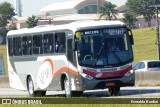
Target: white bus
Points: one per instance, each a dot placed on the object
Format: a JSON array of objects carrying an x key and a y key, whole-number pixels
[{"x": 82, "y": 55}]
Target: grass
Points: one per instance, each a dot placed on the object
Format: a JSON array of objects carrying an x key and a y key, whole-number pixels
[
  {"x": 144, "y": 47},
  {"x": 3, "y": 52},
  {"x": 86, "y": 105}
]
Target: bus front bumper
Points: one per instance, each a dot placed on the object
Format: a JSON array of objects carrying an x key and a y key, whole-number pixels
[{"x": 106, "y": 83}]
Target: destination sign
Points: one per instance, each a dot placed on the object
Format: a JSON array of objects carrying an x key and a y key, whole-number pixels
[
  {"x": 90, "y": 32},
  {"x": 114, "y": 31}
]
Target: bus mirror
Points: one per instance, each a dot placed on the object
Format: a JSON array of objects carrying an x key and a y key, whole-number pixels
[{"x": 131, "y": 37}]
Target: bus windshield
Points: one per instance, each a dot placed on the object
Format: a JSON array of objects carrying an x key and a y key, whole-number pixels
[{"x": 107, "y": 47}]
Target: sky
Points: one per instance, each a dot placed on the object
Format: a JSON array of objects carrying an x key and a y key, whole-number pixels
[{"x": 33, "y": 7}]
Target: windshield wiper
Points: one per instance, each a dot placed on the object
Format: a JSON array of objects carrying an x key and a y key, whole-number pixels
[{"x": 99, "y": 53}]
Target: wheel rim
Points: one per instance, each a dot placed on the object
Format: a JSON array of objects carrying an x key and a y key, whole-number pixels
[
  {"x": 67, "y": 87},
  {"x": 30, "y": 87}
]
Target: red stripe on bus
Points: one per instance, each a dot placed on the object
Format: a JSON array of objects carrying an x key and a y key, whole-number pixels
[{"x": 108, "y": 74}]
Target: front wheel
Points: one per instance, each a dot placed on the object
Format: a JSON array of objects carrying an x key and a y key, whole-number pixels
[
  {"x": 67, "y": 88},
  {"x": 68, "y": 91},
  {"x": 114, "y": 91}
]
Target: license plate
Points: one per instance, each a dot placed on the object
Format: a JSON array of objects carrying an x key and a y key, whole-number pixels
[{"x": 110, "y": 84}]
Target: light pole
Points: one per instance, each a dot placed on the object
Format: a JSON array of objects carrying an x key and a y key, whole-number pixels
[{"x": 157, "y": 7}]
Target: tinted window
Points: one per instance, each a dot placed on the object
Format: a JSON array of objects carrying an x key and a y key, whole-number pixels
[
  {"x": 37, "y": 44},
  {"x": 153, "y": 64},
  {"x": 60, "y": 43},
  {"x": 17, "y": 46},
  {"x": 24, "y": 43},
  {"x": 48, "y": 40},
  {"x": 10, "y": 46},
  {"x": 70, "y": 50},
  {"x": 27, "y": 45}
]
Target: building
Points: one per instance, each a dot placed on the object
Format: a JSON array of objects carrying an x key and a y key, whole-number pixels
[
  {"x": 70, "y": 11},
  {"x": 73, "y": 7},
  {"x": 66, "y": 12}
]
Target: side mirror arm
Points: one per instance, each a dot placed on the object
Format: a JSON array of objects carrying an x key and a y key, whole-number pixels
[{"x": 131, "y": 37}]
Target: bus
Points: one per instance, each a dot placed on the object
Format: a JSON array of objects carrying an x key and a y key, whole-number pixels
[{"x": 74, "y": 57}]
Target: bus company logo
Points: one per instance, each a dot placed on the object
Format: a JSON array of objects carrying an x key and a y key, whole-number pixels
[
  {"x": 45, "y": 73},
  {"x": 99, "y": 75}
]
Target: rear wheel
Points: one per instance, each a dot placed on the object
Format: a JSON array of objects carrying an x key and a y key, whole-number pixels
[
  {"x": 31, "y": 89},
  {"x": 40, "y": 93},
  {"x": 114, "y": 91}
]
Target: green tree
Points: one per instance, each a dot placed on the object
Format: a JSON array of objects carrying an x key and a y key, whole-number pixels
[
  {"x": 12, "y": 27},
  {"x": 6, "y": 14},
  {"x": 32, "y": 21},
  {"x": 108, "y": 11},
  {"x": 140, "y": 7},
  {"x": 129, "y": 19}
]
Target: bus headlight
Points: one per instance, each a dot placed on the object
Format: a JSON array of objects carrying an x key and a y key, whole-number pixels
[
  {"x": 87, "y": 76},
  {"x": 129, "y": 73}
]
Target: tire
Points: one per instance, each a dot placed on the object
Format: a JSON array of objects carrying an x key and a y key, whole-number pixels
[
  {"x": 67, "y": 88},
  {"x": 114, "y": 91},
  {"x": 77, "y": 93},
  {"x": 40, "y": 93},
  {"x": 68, "y": 92},
  {"x": 43, "y": 93},
  {"x": 30, "y": 87}
]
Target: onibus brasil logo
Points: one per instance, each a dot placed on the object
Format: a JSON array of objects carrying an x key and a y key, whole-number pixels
[{"x": 45, "y": 74}]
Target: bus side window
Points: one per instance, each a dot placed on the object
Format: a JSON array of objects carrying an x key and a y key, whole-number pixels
[
  {"x": 60, "y": 42},
  {"x": 56, "y": 43},
  {"x": 51, "y": 43},
  {"x": 24, "y": 43},
  {"x": 10, "y": 46},
  {"x": 17, "y": 46},
  {"x": 45, "y": 43},
  {"x": 48, "y": 40},
  {"x": 37, "y": 44},
  {"x": 29, "y": 45},
  {"x": 70, "y": 52}
]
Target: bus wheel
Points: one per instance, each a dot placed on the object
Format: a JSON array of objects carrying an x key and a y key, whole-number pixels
[
  {"x": 77, "y": 93},
  {"x": 43, "y": 93},
  {"x": 40, "y": 93},
  {"x": 30, "y": 87},
  {"x": 67, "y": 87},
  {"x": 114, "y": 91}
]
